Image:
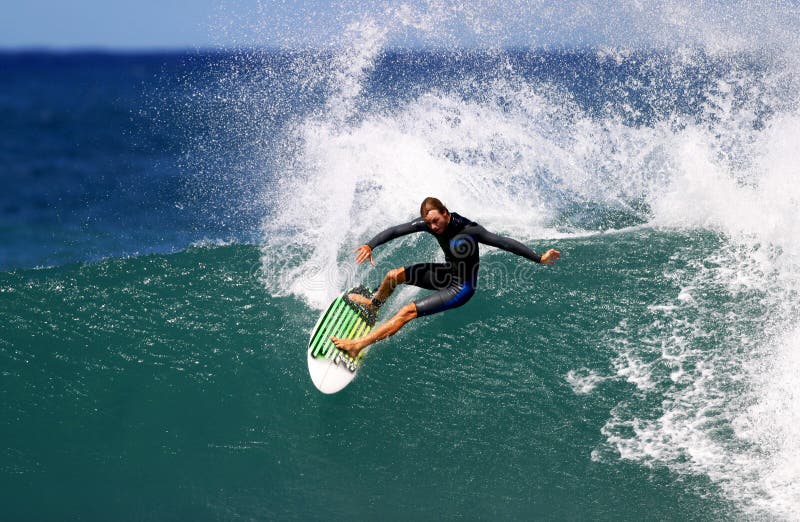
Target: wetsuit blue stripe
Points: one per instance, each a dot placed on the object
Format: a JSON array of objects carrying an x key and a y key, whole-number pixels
[{"x": 460, "y": 298}]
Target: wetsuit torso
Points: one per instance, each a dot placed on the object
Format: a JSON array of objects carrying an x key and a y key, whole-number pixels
[{"x": 457, "y": 277}]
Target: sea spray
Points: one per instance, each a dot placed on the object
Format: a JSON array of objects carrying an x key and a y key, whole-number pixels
[
  {"x": 683, "y": 123},
  {"x": 650, "y": 374},
  {"x": 711, "y": 352}
]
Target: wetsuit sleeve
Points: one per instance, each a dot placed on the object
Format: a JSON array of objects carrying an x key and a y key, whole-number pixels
[
  {"x": 504, "y": 243},
  {"x": 418, "y": 225}
]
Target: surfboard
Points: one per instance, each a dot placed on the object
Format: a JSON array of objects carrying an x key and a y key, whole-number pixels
[{"x": 330, "y": 368}]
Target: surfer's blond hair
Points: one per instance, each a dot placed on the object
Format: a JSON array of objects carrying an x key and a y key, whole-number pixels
[{"x": 431, "y": 203}]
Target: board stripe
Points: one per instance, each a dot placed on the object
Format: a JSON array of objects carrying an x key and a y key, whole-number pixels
[
  {"x": 334, "y": 310},
  {"x": 342, "y": 320},
  {"x": 356, "y": 326},
  {"x": 323, "y": 323},
  {"x": 347, "y": 327},
  {"x": 318, "y": 342},
  {"x": 347, "y": 330},
  {"x": 362, "y": 330},
  {"x": 344, "y": 328},
  {"x": 327, "y": 344}
]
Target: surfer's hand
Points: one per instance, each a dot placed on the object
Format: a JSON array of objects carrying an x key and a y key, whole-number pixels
[
  {"x": 363, "y": 253},
  {"x": 550, "y": 257}
]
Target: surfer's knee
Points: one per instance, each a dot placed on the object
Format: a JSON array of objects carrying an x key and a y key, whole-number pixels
[
  {"x": 397, "y": 276},
  {"x": 407, "y": 313},
  {"x": 404, "y": 315}
]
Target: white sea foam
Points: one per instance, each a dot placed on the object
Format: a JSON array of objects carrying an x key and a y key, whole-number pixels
[
  {"x": 584, "y": 381},
  {"x": 771, "y": 423},
  {"x": 725, "y": 372},
  {"x": 712, "y": 365}
]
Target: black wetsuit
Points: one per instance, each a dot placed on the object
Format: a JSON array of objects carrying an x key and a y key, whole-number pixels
[{"x": 456, "y": 278}]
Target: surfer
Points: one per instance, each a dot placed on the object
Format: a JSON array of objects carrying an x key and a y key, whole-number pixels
[{"x": 454, "y": 280}]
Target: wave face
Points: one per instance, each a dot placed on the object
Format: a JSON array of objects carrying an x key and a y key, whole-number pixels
[
  {"x": 685, "y": 142},
  {"x": 649, "y": 375}
]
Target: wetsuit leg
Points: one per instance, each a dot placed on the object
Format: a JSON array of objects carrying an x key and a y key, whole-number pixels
[
  {"x": 430, "y": 276},
  {"x": 445, "y": 299},
  {"x": 450, "y": 293}
]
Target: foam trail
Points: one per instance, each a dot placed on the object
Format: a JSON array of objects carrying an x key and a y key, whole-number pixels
[
  {"x": 584, "y": 381},
  {"x": 771, "y": 425},
  {"x": 361, "y": 177},
  {"x": 698, "y": 138},
  {"x": 742, "y": 437}
]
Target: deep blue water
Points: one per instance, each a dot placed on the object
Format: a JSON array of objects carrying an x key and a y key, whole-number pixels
[
  {"x": 91, "y": 168},
  {"x": 172, "y": 224},
  {"x": 118, "y": 154}
]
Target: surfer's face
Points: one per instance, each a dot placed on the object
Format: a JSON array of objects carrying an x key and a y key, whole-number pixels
[{"x": 437, "y": 221}]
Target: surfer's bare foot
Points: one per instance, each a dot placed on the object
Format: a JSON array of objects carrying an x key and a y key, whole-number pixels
[
  {"x": 366, "y": 302},
  {"x": 350, "y": 346}
]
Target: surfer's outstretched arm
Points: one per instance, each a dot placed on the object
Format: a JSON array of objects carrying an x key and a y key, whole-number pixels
[
  {"x": 364, "y": 252},
  {"x": 550, "y": 257},
  {"x": 515, "y": 247}
]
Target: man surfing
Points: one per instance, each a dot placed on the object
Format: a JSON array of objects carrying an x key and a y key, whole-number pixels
[{"x": 454, "y": 281}]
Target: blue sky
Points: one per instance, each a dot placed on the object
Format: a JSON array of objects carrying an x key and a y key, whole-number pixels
[
  {"x": 106, "y": 24},
  {"x": 205, "y": 23},
  {"x": 154, "y": 24},
  {"x": 173, "y": 23}
]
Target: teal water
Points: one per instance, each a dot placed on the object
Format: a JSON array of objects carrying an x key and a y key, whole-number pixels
[
  {"x": 174, "y": 387},
  {"x": 172, "y": 225}
]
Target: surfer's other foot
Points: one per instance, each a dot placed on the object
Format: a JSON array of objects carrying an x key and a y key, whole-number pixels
[
  {"x": 349, "y": 346},
  {"x": 366, "y": 302}
]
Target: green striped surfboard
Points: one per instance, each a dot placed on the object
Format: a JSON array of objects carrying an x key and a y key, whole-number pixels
[{"x": 330, "y": 368}]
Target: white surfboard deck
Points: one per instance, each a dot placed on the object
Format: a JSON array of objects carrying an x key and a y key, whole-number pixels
[{"x": 330, "y": 368}]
